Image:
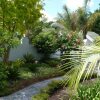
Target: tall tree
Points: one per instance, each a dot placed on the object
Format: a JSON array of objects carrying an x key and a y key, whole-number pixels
[
  {"x": 68, "y": 19},
  {"x": 75, "y": 20},
  {"x": 28, "y": 13},
  {"x": 16, "y": 17}
]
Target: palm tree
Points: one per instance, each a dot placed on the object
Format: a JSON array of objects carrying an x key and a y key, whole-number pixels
[
  {"x": 86, "y": 4},
  {"x": 68, "y": 19},
  {"x": 73, "y": 21},
  {"x": 84, "y": 62}
]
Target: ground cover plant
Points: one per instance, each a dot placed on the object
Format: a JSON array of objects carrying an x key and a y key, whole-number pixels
[
  {"x": 56, "y": 85},
  {"x": 46, "y": 92},
  {"x": 24, "y": 74},
  {"x": 88, "y": 92}
]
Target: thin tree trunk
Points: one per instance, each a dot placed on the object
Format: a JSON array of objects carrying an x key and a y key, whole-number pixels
[{"x": 6, "y": 55}]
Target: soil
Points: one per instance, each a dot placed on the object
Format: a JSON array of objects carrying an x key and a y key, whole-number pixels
[
  {"x": 63, "y": 94},
  {"x": 60, "y": 95}
]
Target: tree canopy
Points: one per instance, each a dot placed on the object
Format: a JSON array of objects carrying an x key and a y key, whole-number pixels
[{"x": 17, "y": 17}]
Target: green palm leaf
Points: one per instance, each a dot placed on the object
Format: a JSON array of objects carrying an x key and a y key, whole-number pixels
[{"x": 82, "y": 62}]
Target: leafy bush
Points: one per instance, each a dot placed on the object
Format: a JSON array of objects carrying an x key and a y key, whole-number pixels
[
  {"x": 71, "y": 41},
  {"x": 3, "y": 76},
  {"x": 39, "y": 70},
  {"x": 33, "y": 67},
  {"x": 91, "y": 92},
  {"x": 46, "y": 42},
  {"x": 41, "y": 96},
  {"x": 13, "y": 71},
  {"x": 53, "y": 62},
  {"x": 18, "y": 62},
  {"x": 28, "y": 58}
]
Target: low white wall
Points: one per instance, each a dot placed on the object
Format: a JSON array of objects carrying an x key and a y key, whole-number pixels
[{"x": 22, "y": 49}]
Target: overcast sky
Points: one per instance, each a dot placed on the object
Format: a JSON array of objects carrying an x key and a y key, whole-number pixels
[{"x": 52, "y": 7}]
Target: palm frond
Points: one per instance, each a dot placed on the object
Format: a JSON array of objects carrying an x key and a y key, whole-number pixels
[{"x": 86, "y": 61}]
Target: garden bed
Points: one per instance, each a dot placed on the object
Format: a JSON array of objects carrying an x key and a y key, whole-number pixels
[
  {"x": 55, "y": 90},
  {"x": 63, "y": 94},
  {"x": 27, "y": 74},
  {"x": 24, "y": 83}
]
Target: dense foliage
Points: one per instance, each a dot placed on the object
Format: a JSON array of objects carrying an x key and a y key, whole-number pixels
[
  {"x": 46, "y": 42},
  {"x": 16, "y": 17},
  {"x": 94, "y": 22},
  {"x": 3, "y": 76},
  {"x": 70, "y": 41},
  {"x": 89, "y": 92},
  {"x": 7, "y": 40},
  {"x": 15, "y": 72}
]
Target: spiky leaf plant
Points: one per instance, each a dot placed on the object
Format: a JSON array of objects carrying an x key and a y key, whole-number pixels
[{"x": 83, "y": 62}]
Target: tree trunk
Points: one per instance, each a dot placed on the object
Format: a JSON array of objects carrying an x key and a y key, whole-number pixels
[
  {"x": 84, "y": 32},
  {"x": 6, "y": 55}
]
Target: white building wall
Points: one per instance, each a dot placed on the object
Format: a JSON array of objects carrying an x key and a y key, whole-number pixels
[{"x": 24, "y": 48}]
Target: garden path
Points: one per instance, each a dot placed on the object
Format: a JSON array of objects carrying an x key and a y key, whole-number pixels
[{"x": 28, "y": 92}]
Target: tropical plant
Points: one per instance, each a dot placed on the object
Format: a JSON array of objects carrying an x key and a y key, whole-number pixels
[
  {"x": 28, "y": 58},
  {"x": 94, "y": 22},
  {"x": 68, "y": 19},
  {"x": 89, "y": 92},
  {"x": 97, "y": 41},
  {"x": 75, "y": 21},
  {"x": 85, "y": 61},
  {"x": 82, "y": 19}
]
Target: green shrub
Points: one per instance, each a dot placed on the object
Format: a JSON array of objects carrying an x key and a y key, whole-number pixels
[
  {"x": 3, "y": 76},
  {"x": 88, "y": 92},
  {"x": 32, "y": 67},
  {"x": 28, "y": 58},
  {"x": 13, "y": 71},
  {"x": 41, "y": 96},
  {"x": 46, "y": 42},
  {"x": 53, "y": 62},
  {"x": 18, "y": 62}
]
